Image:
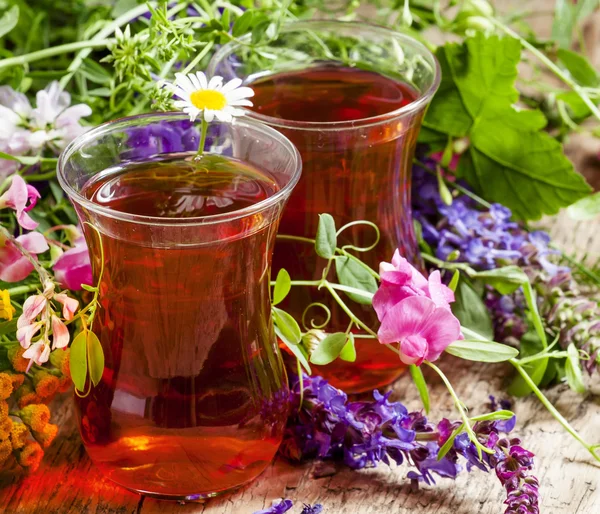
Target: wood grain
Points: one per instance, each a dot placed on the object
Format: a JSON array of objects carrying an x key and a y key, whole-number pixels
[{"x": 67, "y": 483}]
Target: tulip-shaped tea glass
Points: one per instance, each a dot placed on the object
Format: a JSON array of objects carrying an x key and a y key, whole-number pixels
[
  {"x": 351, "y": 97},
  {"x": 193, "y": 399}
]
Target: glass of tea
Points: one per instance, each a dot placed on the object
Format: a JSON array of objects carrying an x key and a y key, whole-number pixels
[
  {"x": 351, "y": 97},
  {"x": 194, "y": 398}
]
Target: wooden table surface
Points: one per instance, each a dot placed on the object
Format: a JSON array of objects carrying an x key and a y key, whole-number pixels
[{"x": 68, "y": 483}]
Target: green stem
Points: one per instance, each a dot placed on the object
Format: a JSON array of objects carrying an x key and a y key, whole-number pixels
[
  {"x": 54, "y": 50},
  {"x": 533, "y": 358},
  {"x": 202, "y": 138},
  {"x": 550, "y": 65},
  {"x": 40, "y": 176},
  {"x": 198, "y": 58},
  {"x": 132, "y": 14},
  {"x": 449, "y": 265},
  {"x": 13, "y": 291},
  {"x": 285, "y": 237},
  {"x": 347, "y": 310},
  {"x": 557, "y": 415},
  {"x": 321, "y": 283},
  {"x": 459, "y": 407}
]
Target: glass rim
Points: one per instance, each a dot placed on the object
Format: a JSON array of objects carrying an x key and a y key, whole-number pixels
[
  {"x": 105, "y": 128},
  {"x": 415, "y": 106}
]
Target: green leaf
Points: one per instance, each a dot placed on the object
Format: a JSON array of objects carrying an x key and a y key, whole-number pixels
[
  {"x": 8, "y": 327},
  {"x": 530, "y": 299},
  {"x": 95, "y": 356},
  {"x": 329, "y": 349},
  {"x": 225, "y": 18},
  {"x": 348, "y": 352},
  {"x": 243, "y": 23},
  {"x": 447, "y": 446},
  {"x": 573, "y": 370},
  {"x": 471, "y": 311},
  {"x": 28, "y": 161},
  {"x": 298, "y": 350},
  {"x": 9, "y": 20},
  {"x": 481, "y": 351},
  {"x": 326, "y": 240},
  {"x": 494, "y": 416},
  {"x": 454, "y": 281},
  {"x": 564, "y": 22},
  {"x": 287, "y": 325},
  {"x": 419, "y": 380},
  {"x": 579, "y": 67},
  {"x": 585, "y": 209},
  {"x": 350, "y": 273},
  {"x": 78, "y": 360},
  {"x": 510, "y": 158},
  {"x": 283, "y": 284},
  {"x": 505, "y": 280}
]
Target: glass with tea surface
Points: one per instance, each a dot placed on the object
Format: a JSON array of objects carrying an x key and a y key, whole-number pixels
[
  {"x": 354, "y": 113},
  {"x": 193, "y": 399}
]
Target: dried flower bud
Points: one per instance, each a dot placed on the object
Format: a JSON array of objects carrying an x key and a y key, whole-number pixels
[
  {"x": 15, "y": 355},
  {"x": 30, "y": 456},
  {"x": 26, "y": 395},
  {"x": 6, "y": 425},
  {"x": 46, "y": 436},
  {"x": 46, "y": 384},
  {"x": 18, "y": 435},
  {"x": 6, "y": 386},
  {"x": 36, "y": 417}
]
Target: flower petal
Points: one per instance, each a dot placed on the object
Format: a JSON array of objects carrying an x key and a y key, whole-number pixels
[
  {"x": 25, "y": 334},
  {"x": 202, "y": 79},
  {"x": 70, "y": 305},
  {"x": 60, "y": 333},
  {"x": 440, "y": 330},
  {"x": 33, "y": 306},
  {"x": 232, "y": 85},
  {"x": 406, "y": 318}
]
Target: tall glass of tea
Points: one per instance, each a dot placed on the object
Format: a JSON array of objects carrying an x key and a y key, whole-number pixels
[
  {"x": 351, "y": 97},
  {"x": 194, "y": 398}
]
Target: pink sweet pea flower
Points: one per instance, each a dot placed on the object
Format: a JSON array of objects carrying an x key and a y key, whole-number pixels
[
  {"x": 73, "y": 267},
  {"x": 400, "y": 280},
  {"x": 414, "y": 311},
  {"x": 16, "y": 197},
  {"x": 14, "y": 266},
  {"x": 60, "y": 333},
  {"x": 422, "y": 329}
]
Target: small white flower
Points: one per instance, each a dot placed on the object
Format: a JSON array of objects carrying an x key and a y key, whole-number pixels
[
  {"x": 212, "y": 99},
  {"x": 25, "y": 130}
]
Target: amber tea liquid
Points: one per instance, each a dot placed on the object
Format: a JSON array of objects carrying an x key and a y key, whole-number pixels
[
  {"x": 189, "y": 402},
  {"x": 358, "y": 174}
]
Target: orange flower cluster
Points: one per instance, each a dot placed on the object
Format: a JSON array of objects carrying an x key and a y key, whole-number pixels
[{"x": 25, "y": 428}]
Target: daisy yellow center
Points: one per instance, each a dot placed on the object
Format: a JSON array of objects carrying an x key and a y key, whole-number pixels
[{"x": 208, "y": 99}]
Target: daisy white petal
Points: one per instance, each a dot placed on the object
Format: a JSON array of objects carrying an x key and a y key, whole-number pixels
[
  {"x": 242, "y": 92},
  {"x": 215, "y": 83},
  {"x": 202, "y": 79},
  {"x": 231, "y": 85},
  {"x": 241, "y": 103},
  {"x": 209, "y": 115},
  {"x": 182, "y": 81}
]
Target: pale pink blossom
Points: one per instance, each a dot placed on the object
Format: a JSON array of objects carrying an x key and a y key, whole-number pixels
[
  {"x": 400, "y": 280},
  {"x": 21, "y": 197},
  {"x": 26, "y": 332},
  {"x": 32, "y": 307},
  {"x": 73, "y": 267},
  {"x": 60, "y": 333},
  {"x": 38, "y": 352},
  {"x": 14, "y": 266},
  {"x": 422, "y": 329},
  {"x": 69, "y": 304}
]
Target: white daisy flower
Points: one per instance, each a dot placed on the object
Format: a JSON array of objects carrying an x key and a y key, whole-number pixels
[{"x": 212, "y": 99}]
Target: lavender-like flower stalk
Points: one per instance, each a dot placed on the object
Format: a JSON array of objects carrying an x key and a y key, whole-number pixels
[
  {"x": 486, "y": 238},
  {"x": 324, "y": 424}
]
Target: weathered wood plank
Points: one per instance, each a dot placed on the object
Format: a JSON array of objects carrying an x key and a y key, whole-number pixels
[{"x": 68, "y": 483}]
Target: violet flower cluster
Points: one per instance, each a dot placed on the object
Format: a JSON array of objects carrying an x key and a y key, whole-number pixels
[
  {"x": 486, "y": 238},
  {"x": 363, "y": 434}
]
